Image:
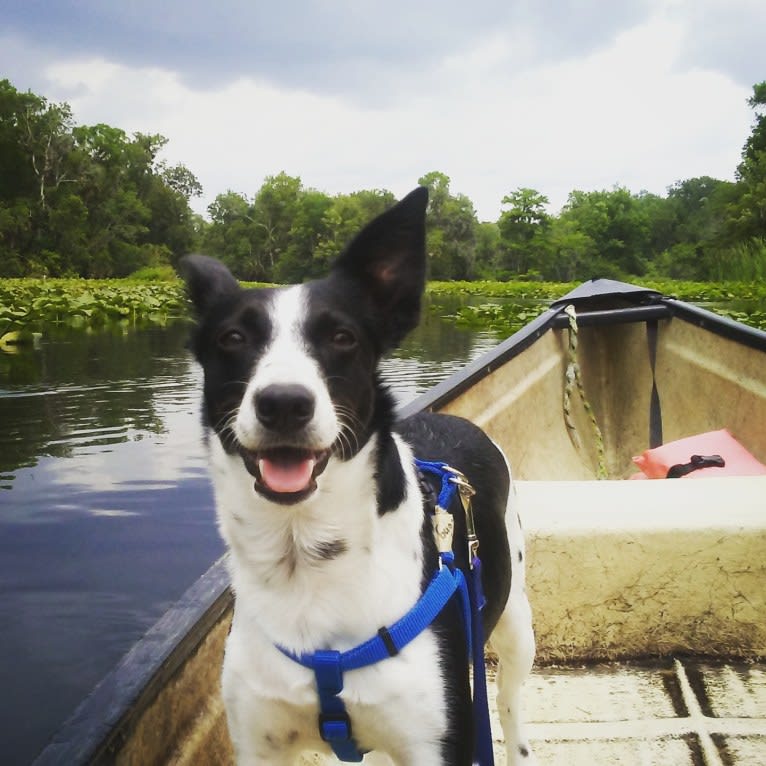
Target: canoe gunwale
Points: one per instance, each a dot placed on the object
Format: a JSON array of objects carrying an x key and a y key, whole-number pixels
[
  {"x": 615, "y": 316},
  {"x": 720, "y": 325}
]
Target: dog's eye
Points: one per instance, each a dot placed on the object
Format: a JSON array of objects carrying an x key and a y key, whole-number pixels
[
  {"x": 231, "y": 339},
  {"x": 344, "y": 340}
]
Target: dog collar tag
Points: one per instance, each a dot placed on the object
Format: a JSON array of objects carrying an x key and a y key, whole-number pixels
[{"x": 444, "y": 528}]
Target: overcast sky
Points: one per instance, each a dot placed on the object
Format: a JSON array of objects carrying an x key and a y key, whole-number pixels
[{"x": 354, "y": 94}]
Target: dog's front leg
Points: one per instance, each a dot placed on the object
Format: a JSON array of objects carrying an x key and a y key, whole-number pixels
[
  {"x": 377, "y": 759},
  {"x": 419, "y": 754},
  {"x": 263, "y": 748},
  {"x": 265, "y": 732}
]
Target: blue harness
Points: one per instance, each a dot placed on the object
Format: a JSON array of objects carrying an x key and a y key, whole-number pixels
[{"x": 328, "y": 666}]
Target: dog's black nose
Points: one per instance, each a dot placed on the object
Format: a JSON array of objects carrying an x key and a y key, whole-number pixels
[{"x": 284, "y": 406}]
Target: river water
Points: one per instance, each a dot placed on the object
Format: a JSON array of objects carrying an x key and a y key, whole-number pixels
[{"x": 106, "y": 512}]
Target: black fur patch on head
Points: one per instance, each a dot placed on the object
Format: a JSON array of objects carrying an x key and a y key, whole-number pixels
[
  {"x": 228, "y": 341},
  {"x": 233, "y": 329},
  {"x": 208, "y": 282},
  {"x": 340, "y": 337}
]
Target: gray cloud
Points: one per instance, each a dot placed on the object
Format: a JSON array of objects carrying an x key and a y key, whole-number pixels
[
  {"x": 727, "y": 37},
  {"x": 347, "y": 47}
]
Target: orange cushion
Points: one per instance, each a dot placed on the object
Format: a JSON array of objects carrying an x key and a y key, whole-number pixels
[{"x": 656, "y": 462}]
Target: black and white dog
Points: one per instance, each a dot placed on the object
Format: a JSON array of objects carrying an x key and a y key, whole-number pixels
[{"x": 328, "y": 520}]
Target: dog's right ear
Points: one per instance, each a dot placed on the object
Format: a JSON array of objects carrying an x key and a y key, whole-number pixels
[
  {"x": 207, "y": 281},
  {"x": 388, "y": 259}
]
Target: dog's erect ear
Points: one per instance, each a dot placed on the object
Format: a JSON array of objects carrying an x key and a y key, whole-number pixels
[
  {"x": 388, "y": 258},
  {"x": 207, "y": 281}
]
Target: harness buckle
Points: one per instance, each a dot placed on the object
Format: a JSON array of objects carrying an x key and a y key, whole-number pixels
[
  {"x": 335, "y": 727},
  {"x": 466, "y": 491}
]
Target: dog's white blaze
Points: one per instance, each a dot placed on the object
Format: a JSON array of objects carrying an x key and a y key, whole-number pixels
[{"x": 287, "y": 360}]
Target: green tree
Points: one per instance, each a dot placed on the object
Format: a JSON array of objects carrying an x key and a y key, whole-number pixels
[
  {"x": 15, "y": 236},
  {"x": 180, "y": 179},
  {"x": 487, "y": 253},
  {"x": 522, "y": 231},
  {"x": 16, "y": 174},
  {"x": 308, "y": 228},
  {"x": 688, "y": 227},
  {"x": 231, "y": 235},
  {"x": 451, "y": 230},
  {"x": 748, "y": 212},
  {"x": 697, "y": 207},
  {"x": 44, "y": 132},
  {"x": 618, "y": 227},
  {"x": 85, "y": 200},
  {"x": 274, "y": 209},
  {"x": 115, "y": 171},
  {"x": 35, "y": 144},
  {"x": 570, "y": 253},
  {"x": 345, "y": 216}
]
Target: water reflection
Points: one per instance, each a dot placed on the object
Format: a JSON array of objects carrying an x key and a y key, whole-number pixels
[{"x": 80, "y": 392}]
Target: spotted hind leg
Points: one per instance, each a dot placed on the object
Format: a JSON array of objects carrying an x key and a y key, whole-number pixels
[{"x": 513, "y": 641}]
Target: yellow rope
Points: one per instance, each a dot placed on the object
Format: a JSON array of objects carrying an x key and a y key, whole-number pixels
[{"x": 573, "y": 378}]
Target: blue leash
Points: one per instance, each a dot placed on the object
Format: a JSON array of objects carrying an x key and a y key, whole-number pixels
[
  {"x": 329, "y": 666},
  {"x": 482, "y": 751}
]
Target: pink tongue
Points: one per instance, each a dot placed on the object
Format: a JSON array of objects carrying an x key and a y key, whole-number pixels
[{"x": 286, "y": 477}]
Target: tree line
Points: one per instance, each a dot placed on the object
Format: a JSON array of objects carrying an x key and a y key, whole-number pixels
[
  {"x": 92, "y": 201},
  {"x": 85, "y": 200}
]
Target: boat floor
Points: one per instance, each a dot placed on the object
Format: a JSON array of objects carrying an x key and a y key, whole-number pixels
[{"x": 675, "y": 711}]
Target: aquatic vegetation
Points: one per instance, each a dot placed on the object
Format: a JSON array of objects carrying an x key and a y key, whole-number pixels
[
  {"x": 708, "y": 292},
  {"x": 696, "y": 292},
  {"x": 29, "y": 305},
  {"x": 33, "y": 303},
  {"x": 501, "y": 318},
  {"x": 517, "y": 303},
  {"x": 755, "y": 318},
  {"x": 518, "y": 289}
]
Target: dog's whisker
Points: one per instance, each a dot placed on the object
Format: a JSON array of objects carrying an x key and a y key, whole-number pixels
[
  {"x": 224, "y": 426},
  {"x": 345, "y": 444},
  {"x": 348, "y": 436}
]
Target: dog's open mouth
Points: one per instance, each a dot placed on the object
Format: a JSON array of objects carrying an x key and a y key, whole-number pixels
[{"x": 285, "y": 474}]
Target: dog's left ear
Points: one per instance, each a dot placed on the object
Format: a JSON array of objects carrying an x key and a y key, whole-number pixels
[
  {"x": 388, "y": 258},
  {"x": 208, "y": 281}
]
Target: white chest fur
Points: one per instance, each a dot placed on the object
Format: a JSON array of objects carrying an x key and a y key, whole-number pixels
[{"x": 325, "y": 574}]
